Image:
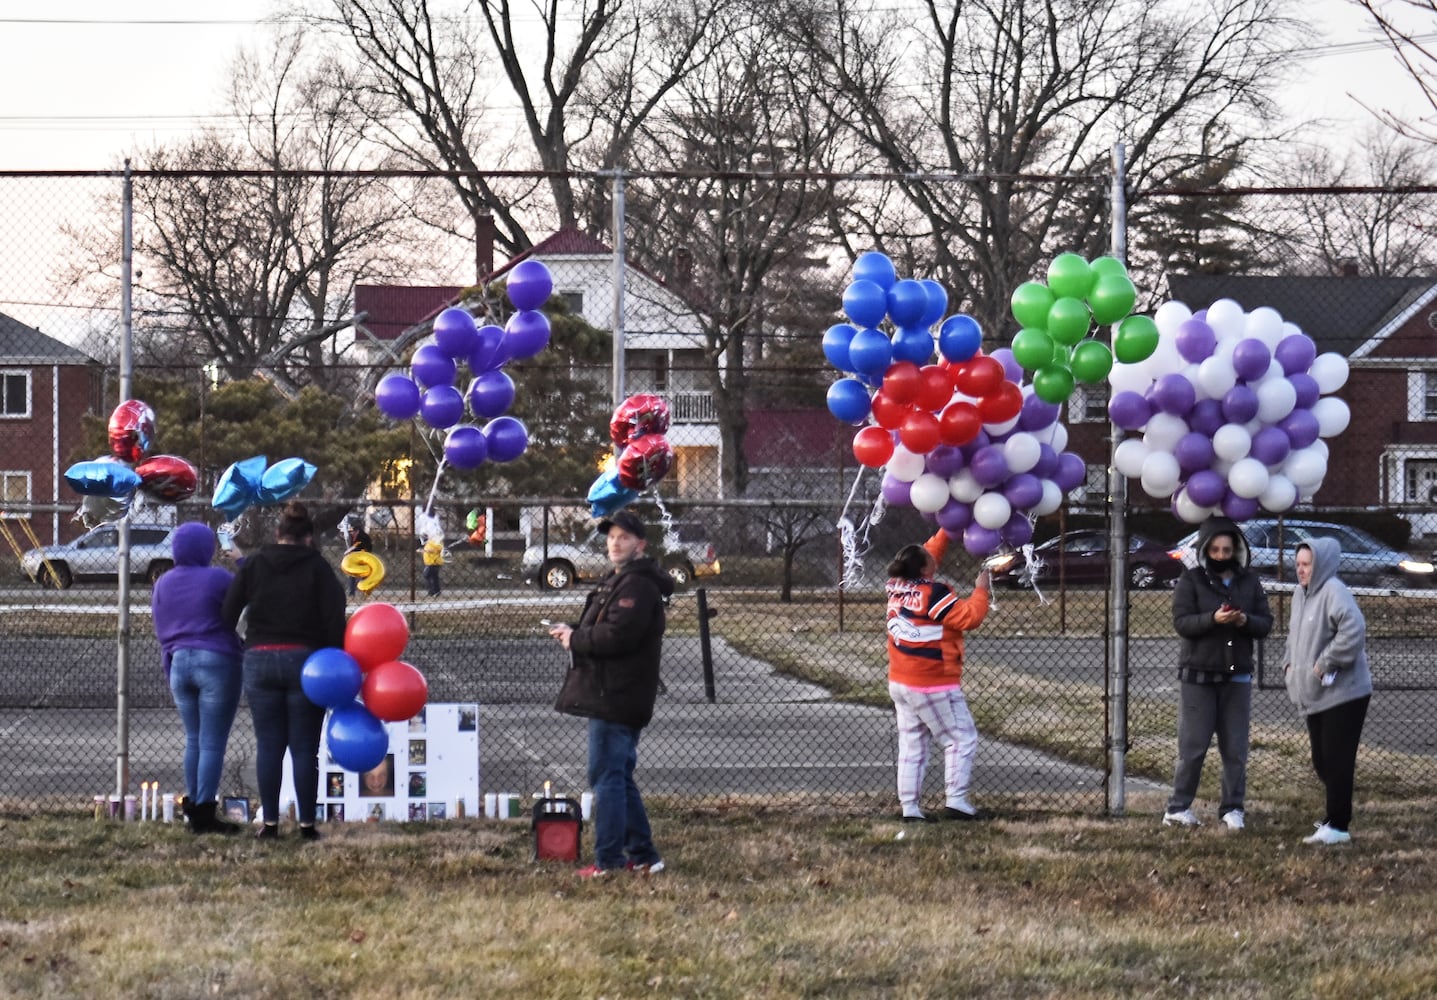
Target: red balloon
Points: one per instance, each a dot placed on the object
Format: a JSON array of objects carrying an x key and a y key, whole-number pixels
[
  {"x": 959, "y": 423},
  {"x": 168, "y": 478},
  {"x": 981, "y": 376},
  {"x": 919, "y": 432},
  {"x": 873, "y": 447},
  {"x": 132, "y": 430},
  {"x": 395, "y": 691},
  {"x": 901, "y": 383},
  {"x": 645, "y": 460},
  {"x": 1001, "y": 405},
  {"x": 375, "y": 634},
  {"x": 887, "y": 413},
  {"x": 644, "y": 413},
  {"x": 936, "y": 389}
]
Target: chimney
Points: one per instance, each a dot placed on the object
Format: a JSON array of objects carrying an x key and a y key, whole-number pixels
[
  {"x": 483, "y": 247},
  {"x": 1348, "y": 269},
  {"x": 683, "y": 266}
]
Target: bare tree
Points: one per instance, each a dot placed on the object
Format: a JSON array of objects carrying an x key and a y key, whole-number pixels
[{"x": 1408, "y": 27}]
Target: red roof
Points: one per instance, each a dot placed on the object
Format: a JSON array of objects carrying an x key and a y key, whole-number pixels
[
  {"x": 795, "y": 439},
  {"x": 393, "y": 309}
]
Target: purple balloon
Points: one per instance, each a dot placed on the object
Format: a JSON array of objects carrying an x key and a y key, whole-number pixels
[
  {"x": 491, "y": 394},
  {"x": 945, "y": 460},
  {"x": 979, "y": 442},
  {"x": 1018, "y": 531},
  {"x": 507, "y": 438},
  {"x": 1239, "y": 405},
  {"x": 455, "y": 333},
  {"x": 1195, "y": 340},
  {"x": 981, "y": 541},
  {"x": 1307, "y": 390},
  {"x": 397, "y": 396},
  {"x": 1193, "y": 452},
  {"x": 1072, "y": 471},
  {"x": 1129, "y": 410},
  {"x": 954, "y": 516},
  {"x": 1270, "y": 445},
  {"x": 1012, "y": 371},
  {"x": 1037, "y": 414},
  {"x": 529, "y": 284},
  {"x": 1301, "y": 428},
  {"x": 1239, "y": 508},
  {"x": 1023, "y": 491},
  {"x": 1251, "y": 359},
  {"x": 486, "y": 348},
  {"x": 989, "y": 466},
  {"x": 1206, "y": 488},
  {"x": 1047, "y": 465},
  {"x": 1206, "y": 417},
  {"x": 432, "y": 367},
  {"x": 465, "y": 447},
  {"x": 896, "y": 492},
  {"x": 442, "y": 406},
  {"x": 1295, "y": 353},
  {"x": 1173, "y": 393},
  {"x": 525, "y": 335}
]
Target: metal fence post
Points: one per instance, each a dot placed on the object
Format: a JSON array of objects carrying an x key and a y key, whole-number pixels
[
  {"x": 1118, "y": 553},
  {"x": 122, "y": 636}
]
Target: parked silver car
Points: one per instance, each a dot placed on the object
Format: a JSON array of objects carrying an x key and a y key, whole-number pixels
[
  {"x": 686, "y": 553},
  {"x": 95, "y": 555},
  {"x": 1365, "y": 560}
]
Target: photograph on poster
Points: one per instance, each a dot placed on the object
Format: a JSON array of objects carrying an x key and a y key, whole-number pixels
[
  {"x": 418, "y": 785},
  {"x": 334, "y": 785},
  {"x": 378, "y": 783},
  {"x": 334, "y": 812},
  {"x": 416, "y": 724},
  {"x": 437, "y": 810},
  {"x": 236, "y": 809},
  {"x": 416, "y": 753},
  {"x": 416, "y": 811},
  {"x": 468, "y": 718},
  {"x": 376, "y": 812}
]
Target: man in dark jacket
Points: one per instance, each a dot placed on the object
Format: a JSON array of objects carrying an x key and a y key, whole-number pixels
[
  {"x": 613, "y": 681},
  {"x": 1219, "y": 612}
]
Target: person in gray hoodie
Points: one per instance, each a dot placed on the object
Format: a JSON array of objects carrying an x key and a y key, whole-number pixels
[{"x": 1328, "y": 679}]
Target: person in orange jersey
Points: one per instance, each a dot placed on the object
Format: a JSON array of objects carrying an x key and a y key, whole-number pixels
[{"x": 926, "y": 621}]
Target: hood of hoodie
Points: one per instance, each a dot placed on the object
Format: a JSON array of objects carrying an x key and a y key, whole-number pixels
[
  {"x": 193, "y": 544},
  {"x": 282, "y": 557},
  {"x": 1326, "y": 556},
  {"x": 1222, "y": 526},
  {"x": 648, "y": 567}
]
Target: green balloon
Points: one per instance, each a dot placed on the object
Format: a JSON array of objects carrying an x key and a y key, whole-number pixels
[
  {"x": 1032, "y": 348},
  {"x": 1068, "y": 321},
  {"x": 1136, "y": 339},
  {"x": 1053, "y": 384},
  {"x": 1104, "y": 266},
  {"x": 1031, "y": 302},
  {"x": 1091, "y": 362},
  {"x": 1069, "y": 276},
  {"x": 1112, "y": 298}
]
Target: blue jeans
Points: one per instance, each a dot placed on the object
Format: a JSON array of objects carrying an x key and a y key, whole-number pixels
[
  {"x": 284, "y": 719},
  {"x": 621, "y": 826},
  {"x": 206, "y": 688}
]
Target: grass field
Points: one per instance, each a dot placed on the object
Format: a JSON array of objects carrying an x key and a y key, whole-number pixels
[{"x": 761, "y": 899}]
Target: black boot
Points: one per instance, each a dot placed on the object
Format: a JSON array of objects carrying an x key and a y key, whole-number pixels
[
  {"x": 205, "y": 820},
  {"x": 187, "y": 807}
]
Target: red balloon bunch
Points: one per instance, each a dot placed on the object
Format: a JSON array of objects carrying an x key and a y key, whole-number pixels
[
  {"x": 110, "y": 482},
  {"x": 642, "y": 455},
  {"x": 375, "y": 636}
]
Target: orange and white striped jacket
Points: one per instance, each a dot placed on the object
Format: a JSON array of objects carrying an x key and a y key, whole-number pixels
[{"x": 925, "y": 623}]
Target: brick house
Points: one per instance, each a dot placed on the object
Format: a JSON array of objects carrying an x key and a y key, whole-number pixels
[{"x": 45, "y": 388}]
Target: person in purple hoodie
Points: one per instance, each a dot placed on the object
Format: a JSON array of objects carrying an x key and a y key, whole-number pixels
[{"x": 201, "y": 657}]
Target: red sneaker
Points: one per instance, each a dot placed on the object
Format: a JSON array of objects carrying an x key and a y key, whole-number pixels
[{"x": 591, "y": 871}]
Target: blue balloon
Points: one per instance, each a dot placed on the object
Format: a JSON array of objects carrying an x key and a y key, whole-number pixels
[
  {"x": 507, "y": 438},
  {"x": 865, "y": 303},
  {"x": 525, "y": 335},
  {"x": 608, "y": 494},
  {"x": 466, "y": 447},
  {"x": 907, "y": 302},
  {"x": 491, "y": 394},
  {"x": 835, "y": 345},
  {"x": 485, "y": 355},
  {"x": 357, "y": 740},
  {"x": 910, "y": 344},
  {"x": 102, "y": 478},
  {"x": 283, "y": 480},
  {"x": 937, "y": 302},
  {"x": 397, "y": 396},
  {"x": 430, "y": 367},
  {"x": 875, "y": 267},
  {"x": 442, "y": 406},
  {"x": 529, "y": 284},
  {"x": 455, "y": 333},
  {"x": 870, "y": 352},
  {"x": 331, "y": 678},
  {"x": 238, "y": 486},
  {"x": 959, "y": 337},
  {"x": 848, "y": 401}
]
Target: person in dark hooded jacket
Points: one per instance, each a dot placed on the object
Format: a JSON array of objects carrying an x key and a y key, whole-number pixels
[
  {"x": 201, "y": 658},
  {"x": 613, "y": 680},
  {"x": 296, "y": 605},
  {"x": 1219, "y": 612}
]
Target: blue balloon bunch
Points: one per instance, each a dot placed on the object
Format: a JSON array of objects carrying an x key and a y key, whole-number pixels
[
  {"x": 252, "y": 481},
  {"x": 430, "y": 392}
]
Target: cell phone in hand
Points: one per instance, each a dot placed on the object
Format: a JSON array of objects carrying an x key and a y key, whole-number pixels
[
  {"x": 226, "y": 540},
  {"x": 546, "y": 622},
  {"x": 1227, "y": 607}
]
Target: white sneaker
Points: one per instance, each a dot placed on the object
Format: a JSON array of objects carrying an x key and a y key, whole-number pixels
[
  {"x": 1327, "y": 835},
  {"x": 1182, "y": 817},
  {"x": 1232, "y": 819}
]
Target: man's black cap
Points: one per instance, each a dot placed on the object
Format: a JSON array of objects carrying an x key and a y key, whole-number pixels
[{"x": 624, "y": 520}]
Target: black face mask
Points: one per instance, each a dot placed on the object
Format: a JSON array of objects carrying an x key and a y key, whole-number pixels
[{"x": 1223, "y": 565}]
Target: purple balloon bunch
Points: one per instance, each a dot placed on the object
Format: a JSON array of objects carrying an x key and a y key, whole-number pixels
[
  {"x": 1230, "y": 413},
  {"x": 430, "y": 390}
]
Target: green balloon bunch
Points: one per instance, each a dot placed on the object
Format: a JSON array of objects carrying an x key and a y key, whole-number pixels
[{"x": 1056, "y": 319}]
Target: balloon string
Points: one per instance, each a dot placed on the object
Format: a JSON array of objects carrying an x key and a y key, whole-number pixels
[
  {"x": 429, "y": 504},
  {"x": 852, "y": 547}
]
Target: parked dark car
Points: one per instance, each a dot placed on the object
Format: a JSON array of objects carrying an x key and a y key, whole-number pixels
[
  {"x": 1081, "y": 557},
  {"x": 1365, "y": 560}
]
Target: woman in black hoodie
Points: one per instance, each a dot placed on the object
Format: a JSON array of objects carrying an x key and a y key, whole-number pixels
[
  {"x": 296, "y": 605},
  {"x": 1219, "y": 611}
]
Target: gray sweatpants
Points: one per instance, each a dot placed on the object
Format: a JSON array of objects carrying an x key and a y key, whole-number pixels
[{"x": 1205, "y": 710}]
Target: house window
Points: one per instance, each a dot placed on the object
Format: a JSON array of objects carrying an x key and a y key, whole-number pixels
[
  {"x": 1429, "y": 395},
  {"x": 14, "y": 394},
  {"x": 1088, "y": 404},
  {"x": 14, "y": 489},
  {"x": 573, "y": 302}
]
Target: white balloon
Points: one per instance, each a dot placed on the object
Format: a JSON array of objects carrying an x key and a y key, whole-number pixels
[
  {"x": 1164, "y": 431},
  {"x": 1330, "y": 372},
  {"x": 1248, "y": 478},
  {"x": 1022, "y": 452},
  {"x": 1190, "y": 512},
  {"x": 1305, "y": 467},
  {"x": 963, "y": 487},
  {"x": 1216, "y": 376},
  {"x": 1052, "y": 499},
  {"x": 992, "y": 510},
  {"x": 1333, "y": 416},
  {"x": 1161, "y": 474},
  {"x": 1275, "y": 399},
  {"x": 1280, "y": 495},
  {"x": 1129, "y": 378},
  {"x": 1164, "y": 360},
  {"x": 1320, "y": 446},
  {"x": 929, "y": 493},
  {"x": 905, "y": 465},
  {"x": 1058, "y": 440},
  {"x": 1128, "y": 457},
  {"x": 1231, "y": 442},
  {"x": 995, "y": 430},
  {"x": 1227, "y": 319},
  {"x": 1170, "y": 316},
  {"x": 1190, "y": 372},
  {"x": 1306, "y": 493},
  {"x": 1221, "y": 466},
  {"x": 1291, "y": 329},
  {"x": 1264, "y": 323}
]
